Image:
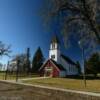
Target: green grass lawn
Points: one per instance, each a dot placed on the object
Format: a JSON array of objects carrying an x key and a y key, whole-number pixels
[{"x": 66, "y": 83}]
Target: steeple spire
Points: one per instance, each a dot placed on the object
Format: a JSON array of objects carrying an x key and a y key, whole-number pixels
[{"x": 55, "y": 39}]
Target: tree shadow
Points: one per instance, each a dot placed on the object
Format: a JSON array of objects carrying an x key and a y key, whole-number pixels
[{"x": 88, "y": 77}]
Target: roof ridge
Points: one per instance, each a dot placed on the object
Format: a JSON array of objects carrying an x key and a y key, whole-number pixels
[{"x": 68, "y": 59}]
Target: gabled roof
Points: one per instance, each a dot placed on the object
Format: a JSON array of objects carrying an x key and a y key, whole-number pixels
[
  {"x": 55, "y": 39},
  {"x": 67, "y": 59},
  {"x": 58, "y": 66}
]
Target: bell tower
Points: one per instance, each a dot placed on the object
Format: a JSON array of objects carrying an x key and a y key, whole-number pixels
[{"x": 54, "y": 52}]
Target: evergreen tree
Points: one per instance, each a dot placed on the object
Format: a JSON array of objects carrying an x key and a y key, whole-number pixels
[
  {"x": 93, "y": 64},
  {"x": 37, "y": 61}
]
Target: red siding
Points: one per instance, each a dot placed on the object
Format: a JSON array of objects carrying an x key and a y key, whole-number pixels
[{"x": 55, "y": 72}]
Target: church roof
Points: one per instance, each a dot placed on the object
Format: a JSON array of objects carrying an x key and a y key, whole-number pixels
[
  {"x": 58, "y": 65},
  {"x": 68, "y": 59},
  {"x": 55, "y": 39}
]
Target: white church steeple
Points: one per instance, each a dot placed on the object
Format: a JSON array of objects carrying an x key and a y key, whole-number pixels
[{"x": 54, "y": 52}]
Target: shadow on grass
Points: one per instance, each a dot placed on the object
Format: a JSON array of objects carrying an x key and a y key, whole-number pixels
[{"x": 88, "y": 77}]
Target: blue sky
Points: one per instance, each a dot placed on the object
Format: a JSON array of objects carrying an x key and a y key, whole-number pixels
[{"x": 22, "y": 27}]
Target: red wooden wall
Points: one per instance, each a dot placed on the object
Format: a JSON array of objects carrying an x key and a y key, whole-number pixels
[{"x": 55, "y": 72}]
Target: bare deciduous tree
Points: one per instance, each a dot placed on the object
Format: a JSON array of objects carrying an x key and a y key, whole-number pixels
[
  {"x": 4, "y": 49},
  {"x": 78, "y": 17}
]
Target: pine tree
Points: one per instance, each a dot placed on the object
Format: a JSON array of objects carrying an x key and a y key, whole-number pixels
[
  {"x": 93, "y": 64},
  {"x": 38, "y": 60}
]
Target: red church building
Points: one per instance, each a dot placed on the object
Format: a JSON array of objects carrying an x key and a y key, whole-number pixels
[
  {"x": 58, "y": 65},
  {"x": 51, "y": 68}
]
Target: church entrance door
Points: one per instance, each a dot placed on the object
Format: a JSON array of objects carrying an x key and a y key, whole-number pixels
[{"x": 48, "y": 72}]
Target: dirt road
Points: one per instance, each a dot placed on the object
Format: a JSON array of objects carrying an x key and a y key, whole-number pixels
[{"x": 19, "y": 92}]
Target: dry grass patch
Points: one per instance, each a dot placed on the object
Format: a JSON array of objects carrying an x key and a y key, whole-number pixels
[
  {"x": 75, "y": 84},
  {"x": 13, "y": 76}
]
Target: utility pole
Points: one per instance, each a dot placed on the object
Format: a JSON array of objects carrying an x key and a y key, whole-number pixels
[
  {"x": 6, "y": 71},
  {"x": 83, "y": 60},
  {"x": 17, "y": 69},
  {"x": 28, "y": 60},
  {"x": 84, "y": 74}
]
